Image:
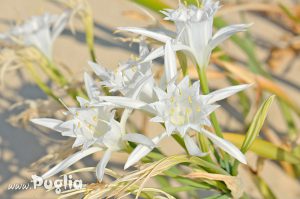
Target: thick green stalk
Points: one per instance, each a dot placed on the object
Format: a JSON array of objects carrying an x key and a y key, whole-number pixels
[{"x": 205, "y": 90}]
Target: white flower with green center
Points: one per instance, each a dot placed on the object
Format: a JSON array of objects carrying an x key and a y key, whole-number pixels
[
  {"x": 181, "y": 109},
  {"x": 95, "y": 129},
  {"x": 194, "y": 32},
  {"x": 39, "y": 32}
]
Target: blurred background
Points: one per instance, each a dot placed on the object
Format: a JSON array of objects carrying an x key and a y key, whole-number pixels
[{"x": 275, "y": 44}]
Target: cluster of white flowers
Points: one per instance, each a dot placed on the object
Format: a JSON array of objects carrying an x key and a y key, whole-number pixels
[{"x": 180, "y": 107}]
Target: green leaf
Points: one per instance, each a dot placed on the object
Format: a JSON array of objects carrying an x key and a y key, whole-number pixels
[
  {"x": 264, "y": 149},
  {"x": 172, "y": 189},
  {"x": 264, "y": 187},
  {"x": 288, "y": 12},
  {"x": 218, "y": 196},
  {"x": 256, "y": 124},
  {"x": 155, "y": 5}
]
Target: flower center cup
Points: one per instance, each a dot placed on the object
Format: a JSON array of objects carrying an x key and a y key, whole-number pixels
[{"x": 182, "y": 110}]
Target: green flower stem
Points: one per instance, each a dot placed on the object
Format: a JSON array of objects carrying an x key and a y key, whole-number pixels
[
  {"x": 89, "y": 35},
  {"x": 58, "y": 77},
  {"x": 205, "y": 90},
  {"x": 50, "y": 72},
  {"x": 90, "y": 41},
  {"x": 61, "y": 80},
  {"x": 39, "y": 82}
]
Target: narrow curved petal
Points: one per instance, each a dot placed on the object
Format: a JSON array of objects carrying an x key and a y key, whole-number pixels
[
  {"x": 49, "y": 123},
  {"x": 139, "y": 138},
  {"x": 225, "y": 33},
  {"x": 102, "y": 164},
  {"x": 82, "y": 102},
  {"x": 69, "y": 161},
  {"x": 159, "y": 52},
  {"x": 225, "y": 145},
  {"x": 157, "y": 119},
  {"x": 170, "y": 62},
  {"x": 89, "y": 86},
  {"x": 141, "y": 151},
  {"x": 224, "y": 93},
  {"x": 186, "y": 49},
  {"x": 140, "y": 31},
  {"x": 192, "y": 147},
  {"x": 59, "y": 25},
  {"x": 122, "y": 102},
  {"x": 184, "y": 83},
  {"x": 134, "y": 93},
  {"x": 98, "y": 69},
  {"x": 160, "y": 93}
]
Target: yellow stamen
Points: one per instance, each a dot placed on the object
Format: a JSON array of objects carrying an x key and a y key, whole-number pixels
[
  {"x": 190, "y": 99},
  {"x": 172, "y": 100},
  {"x": 134, "y": 69}
]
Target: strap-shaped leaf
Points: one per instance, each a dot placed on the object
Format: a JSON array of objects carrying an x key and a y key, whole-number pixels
[
  {"x": 256, "y": 124},
  {"x": 264, "y": 148}
]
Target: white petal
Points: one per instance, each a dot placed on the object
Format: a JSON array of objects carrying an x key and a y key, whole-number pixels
[
  {"x": 134, "y": 92},
  {"x": 192, "y": 147},
  {"x": 224, "y": 93},
  {"x": 170, "y": 128},
  {"x": 89, "y": 85},
  {"x": 69, "y": 161},
  {"x": 49, "y": 123},
  {"x": 123, "y": 101},
  {"x": 141, "y": 151},
  {"x": 102, "y": 164},
  {"x": 208, "y": 109},
  {"x": 186, "y": 49},
  {"x": 154, "y": 35},
  {"x": 157, "y": 119},
  {"x": 226, "y": 32},
  {"x": 196, "y": 86},
  {"x": 82, "y": 102},
  {"x": 184, "y": 83},
  {"x": 98, "y": 69},
  {"x": 170, "y": 62},
  {"x": 59, "y": 25},
  {"x": 225, "y": 145},
  {"x": 161, "y": 95},
  {"x": 159, "y": 52},
  {"x": 139, "y": 138}
]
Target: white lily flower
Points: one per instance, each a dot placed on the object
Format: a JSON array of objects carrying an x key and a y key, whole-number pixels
[
  {"x": 182, "y": 108},
  {"x": 194, "y": 30},
  {"x": 128, "y": 76},
  {"x": 38, "y": 31},
  {"x": 95, "y": 129}
]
